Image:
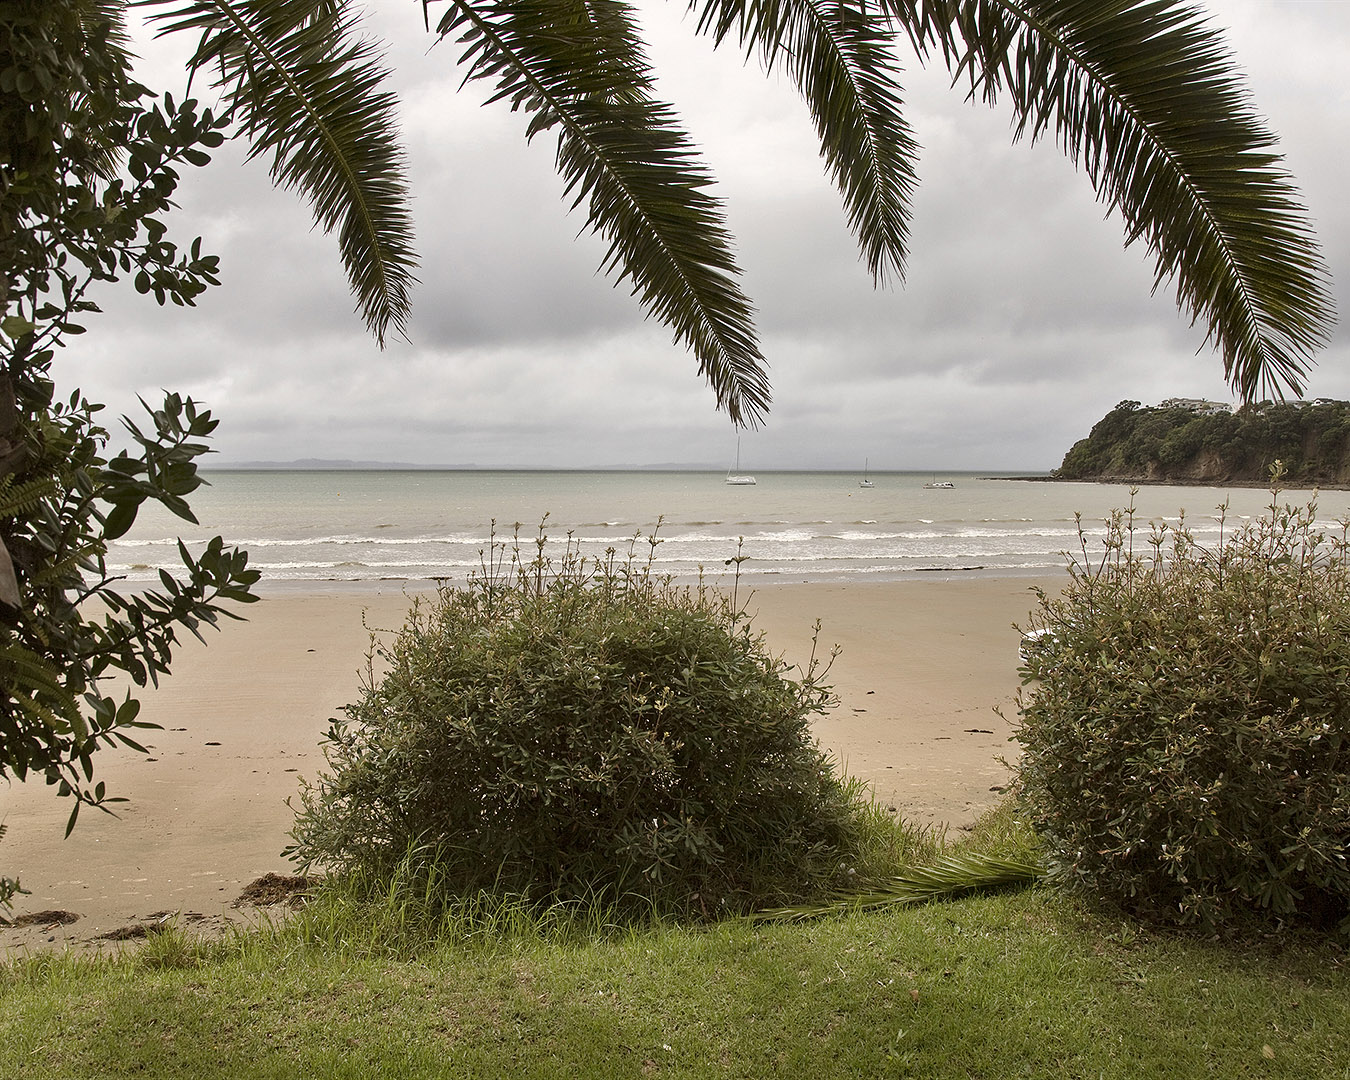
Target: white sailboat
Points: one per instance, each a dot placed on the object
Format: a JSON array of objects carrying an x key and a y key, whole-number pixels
[
  {"x": 735, "y": 476},
  {"x": 865, "y": 482}
]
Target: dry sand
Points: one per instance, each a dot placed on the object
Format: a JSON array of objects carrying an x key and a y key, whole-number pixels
[{"x": 924, "y": 663}]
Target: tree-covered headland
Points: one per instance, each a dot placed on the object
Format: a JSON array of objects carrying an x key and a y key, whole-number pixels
[{"x": 1195, "y": 442}]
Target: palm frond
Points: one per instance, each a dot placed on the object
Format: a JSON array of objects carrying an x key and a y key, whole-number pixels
[
  {"x": 106, "y": 19},
  {"x": 21, "y": 498},
  {"x": 33, "y": 687},
  {"x": 579, "y": 67},
  {"x": 105, "y": 39},
  {"x": 62, "y": 573},
  {"x": 838, "y": 53},
  {"x": 950, "y": 876},
  {"x": 307, "y": 91},
  {"x": 1145, "y": 96}
]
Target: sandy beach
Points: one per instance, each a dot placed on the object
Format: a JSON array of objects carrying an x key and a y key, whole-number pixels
[{"x": 923, "y": 666}]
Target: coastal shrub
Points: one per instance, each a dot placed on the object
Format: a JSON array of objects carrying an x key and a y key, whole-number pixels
[
  {"x": 89, "y": 165},
  {"x": 580, "y": 730},
  {"x": 1185, "y": 723}
]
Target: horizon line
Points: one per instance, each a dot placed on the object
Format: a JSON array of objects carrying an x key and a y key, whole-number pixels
[{"x": 346, "y": 465}]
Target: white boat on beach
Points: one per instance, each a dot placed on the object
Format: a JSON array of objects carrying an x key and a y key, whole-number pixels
[{"x": 735, "y": 476}]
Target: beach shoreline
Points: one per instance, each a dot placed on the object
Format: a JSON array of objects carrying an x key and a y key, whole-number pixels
[{"x": 924, "y": 664}]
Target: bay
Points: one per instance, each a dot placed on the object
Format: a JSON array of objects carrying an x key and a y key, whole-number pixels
[{"x": 358, "y": 529}]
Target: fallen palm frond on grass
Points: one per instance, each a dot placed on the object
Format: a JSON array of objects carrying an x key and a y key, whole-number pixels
[{"x": 948, "y": 876}]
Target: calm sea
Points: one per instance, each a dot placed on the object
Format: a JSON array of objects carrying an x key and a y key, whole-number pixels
[{"x": 361, "y": 528}]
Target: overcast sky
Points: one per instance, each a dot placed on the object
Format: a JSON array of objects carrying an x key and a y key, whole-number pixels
[{"x": 1022, "y": 322}]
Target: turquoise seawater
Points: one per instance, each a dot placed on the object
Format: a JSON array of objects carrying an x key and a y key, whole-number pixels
[{"x": 358, "y": 528}]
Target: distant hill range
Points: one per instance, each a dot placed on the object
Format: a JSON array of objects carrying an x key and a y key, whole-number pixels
[
  {"x": 1185, "y": 441},
  {"x": 331, "y": 465}
]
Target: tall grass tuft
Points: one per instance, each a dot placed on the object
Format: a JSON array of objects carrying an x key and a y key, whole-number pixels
[{"x": 357, "y": 915}]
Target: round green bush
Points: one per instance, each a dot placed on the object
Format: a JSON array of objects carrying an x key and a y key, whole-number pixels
[
  {"x": 577, "y": 732},
  {"x": 1186, "y": 727}
]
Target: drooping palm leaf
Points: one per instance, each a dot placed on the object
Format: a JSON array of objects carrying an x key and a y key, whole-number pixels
[
  {"x": 839, "y": 55},
  {"x": 1146, "y": 97},
  {"x": 1140, "y": 92},
  {"x": 106, "y": 41},
  {"x": 307, "y": 90},
  {"x": 950, "y": 876},
  {"x": 580, "y": 68}
]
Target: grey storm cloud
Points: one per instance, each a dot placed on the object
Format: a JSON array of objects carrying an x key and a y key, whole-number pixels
[{"x": 1021, "y": 322}]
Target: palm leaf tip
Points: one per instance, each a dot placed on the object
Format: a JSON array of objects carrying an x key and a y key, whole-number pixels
[
  {"x": 582, "y": 72},
  {"x": 840, "y": 57},
  {"x": 1147, "y": 98},
  {"x": 306, "y": 89}
]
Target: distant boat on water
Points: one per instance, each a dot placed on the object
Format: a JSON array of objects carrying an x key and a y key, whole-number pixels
[
  {"x": 735, "y": 476},
  {"x": 865, "y": 482},
  {"x": 936, "y": 483}
]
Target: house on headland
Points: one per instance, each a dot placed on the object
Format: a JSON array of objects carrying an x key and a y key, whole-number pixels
[{"x": 1199, "y": 406}]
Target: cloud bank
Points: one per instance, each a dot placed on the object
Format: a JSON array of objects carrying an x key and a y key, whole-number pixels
[{"x": 1023, "y": 318}]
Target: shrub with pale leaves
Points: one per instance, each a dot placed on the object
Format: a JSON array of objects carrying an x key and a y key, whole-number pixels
[{"x": 1186, "y": 733}]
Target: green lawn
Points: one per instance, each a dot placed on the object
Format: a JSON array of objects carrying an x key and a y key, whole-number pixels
[{"x": 1024, "y": 984}]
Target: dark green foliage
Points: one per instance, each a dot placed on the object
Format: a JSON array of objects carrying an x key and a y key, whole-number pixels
[
  {"x": 1312, "y": 439},
  {"x": 1186, "y": 731},
  {"x": 88, "y": 166},
  {"x": 582, "y": 731},
  {"x": 55, "y": 646}
]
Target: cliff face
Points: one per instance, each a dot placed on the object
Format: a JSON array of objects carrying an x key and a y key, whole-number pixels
[{"x": 1137, "y": 444}]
